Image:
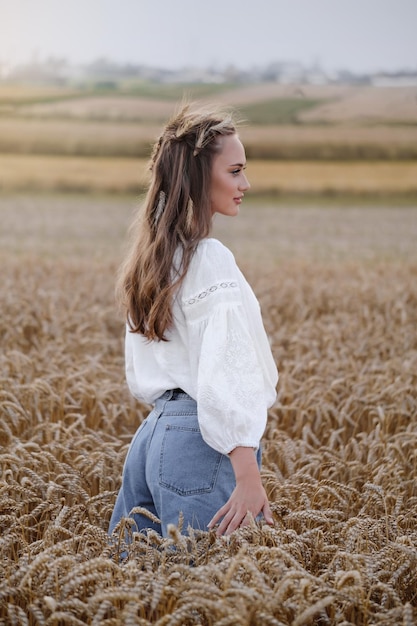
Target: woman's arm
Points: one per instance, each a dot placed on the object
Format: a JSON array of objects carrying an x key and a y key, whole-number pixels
[{"x": 248, "y": 496}]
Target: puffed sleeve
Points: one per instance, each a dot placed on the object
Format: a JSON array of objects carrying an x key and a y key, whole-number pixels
[{"x": 230, "y": 354}]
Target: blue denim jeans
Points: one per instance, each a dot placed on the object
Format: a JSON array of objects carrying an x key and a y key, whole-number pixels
[{"x": 170, "y": 470}]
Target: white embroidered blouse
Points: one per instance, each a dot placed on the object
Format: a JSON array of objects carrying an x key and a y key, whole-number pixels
[{"x": 218, "y": 352}]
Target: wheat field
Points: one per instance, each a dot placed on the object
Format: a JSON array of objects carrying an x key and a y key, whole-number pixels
[{"x": 338, "y": 289}]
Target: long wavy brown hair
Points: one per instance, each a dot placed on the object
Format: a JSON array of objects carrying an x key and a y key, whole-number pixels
[{"x": 174, "y": 218}]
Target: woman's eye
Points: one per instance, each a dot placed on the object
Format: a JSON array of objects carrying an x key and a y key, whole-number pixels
[{"x": 235, "y": 172}]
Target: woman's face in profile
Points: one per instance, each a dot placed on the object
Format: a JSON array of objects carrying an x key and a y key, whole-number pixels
[{"x": 228, "y": 178}]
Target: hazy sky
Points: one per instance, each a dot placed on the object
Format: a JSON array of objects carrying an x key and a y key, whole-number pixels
[{"x": 360, "y": 35}]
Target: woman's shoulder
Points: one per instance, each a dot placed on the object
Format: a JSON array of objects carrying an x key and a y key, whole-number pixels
[
  {"x": 213, "y": 250},
  {"x": 212, "y": 262}
]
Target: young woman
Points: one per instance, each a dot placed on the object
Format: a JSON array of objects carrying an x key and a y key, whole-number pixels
[{"x": 195, "y": 346}]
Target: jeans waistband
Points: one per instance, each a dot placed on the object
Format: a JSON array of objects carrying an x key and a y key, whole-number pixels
[{"x": 176, "y": 394}]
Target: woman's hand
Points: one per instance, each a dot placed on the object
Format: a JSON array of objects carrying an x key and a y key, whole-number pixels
[{"x": 248, "y": 496}]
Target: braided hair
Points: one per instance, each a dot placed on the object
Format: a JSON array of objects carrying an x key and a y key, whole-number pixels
[{"x": 176, "y": 214}]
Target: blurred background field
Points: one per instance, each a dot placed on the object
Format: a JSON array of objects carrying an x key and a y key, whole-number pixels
[{"x": 300, "y": 139}]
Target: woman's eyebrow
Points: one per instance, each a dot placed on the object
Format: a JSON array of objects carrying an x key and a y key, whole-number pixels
[{"x": 237, "y": 165}]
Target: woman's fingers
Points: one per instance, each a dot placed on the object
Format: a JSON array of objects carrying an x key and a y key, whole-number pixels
[
  {"x": 238, "y": 511},
  {"x": 267, "y": 513},
  {"x": 228, "y": 516},
  {"x": 232, "y": 519},
  {"x": 229, "y": 523},
  {"x": 220, "y": 513}
]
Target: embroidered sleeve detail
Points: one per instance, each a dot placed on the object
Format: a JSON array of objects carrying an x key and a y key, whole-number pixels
[{"x": 227, "y": 284}]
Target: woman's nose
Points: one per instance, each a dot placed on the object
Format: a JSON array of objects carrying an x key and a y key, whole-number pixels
[{"x": 245, "y": 185}]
